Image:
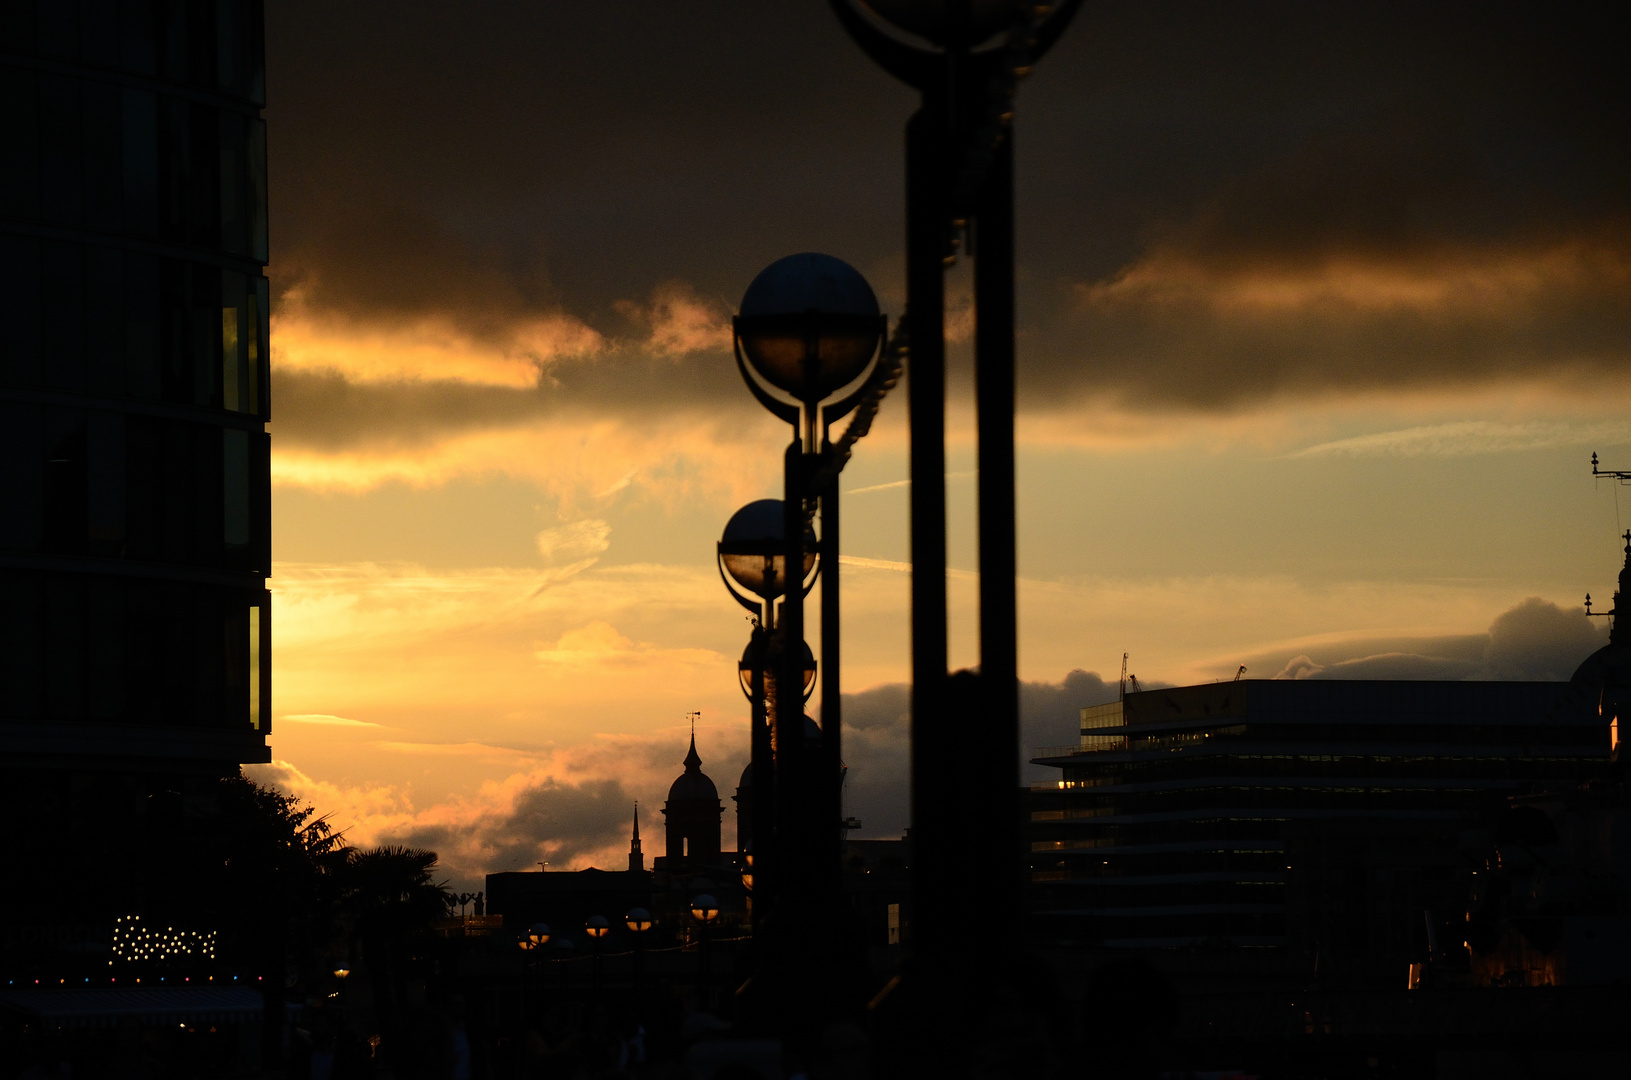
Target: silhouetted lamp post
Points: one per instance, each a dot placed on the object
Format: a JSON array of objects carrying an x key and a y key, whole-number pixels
[
  {"x": 806, "y": 335},
  {"x": 597, "y": 928},
  {"x": 753, "y": 565},
  {"x": 705, "y": 909},
  {"x": 639, "y": 922},
  {"x": 965, "y": 57},
  {"x": 536, "y": 937}
]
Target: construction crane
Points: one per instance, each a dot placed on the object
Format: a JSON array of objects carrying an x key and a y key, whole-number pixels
[{"x": 1122, "y": 696}]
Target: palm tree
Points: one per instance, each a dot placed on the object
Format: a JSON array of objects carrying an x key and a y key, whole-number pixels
[{"x": 391, "y": 900}]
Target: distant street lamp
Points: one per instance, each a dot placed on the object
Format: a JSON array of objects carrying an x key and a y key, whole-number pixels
[
  {"x": 805, "y": 340},
  {"x": 639, "y": 922},
  {"x": 536, "y": 937},
  {"x": 597, "y": 928},
  {"x": 966, "y": 64},
  {"x": 752, "y": 556},
  {"x": 705, "y": 909}
]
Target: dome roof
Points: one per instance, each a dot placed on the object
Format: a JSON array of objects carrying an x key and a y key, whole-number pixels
[
  {"x": 693, "y": 784},
  {"x": 746, "y": 783},
  {"x": 1602, "y": 682}
]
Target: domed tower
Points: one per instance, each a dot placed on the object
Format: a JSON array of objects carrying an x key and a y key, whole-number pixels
[
  {"x": 693, "y": 814},
  {"x": 1603, "y": 681}
]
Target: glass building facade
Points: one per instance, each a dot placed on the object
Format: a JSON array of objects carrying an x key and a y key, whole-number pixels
[
  {"x": 1324, "y": 818},
  {"x": 134, "y": 475}
]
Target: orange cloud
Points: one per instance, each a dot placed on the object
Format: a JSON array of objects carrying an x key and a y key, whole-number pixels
[
  {"x": 429, "y": 347},
  {"x": 1492, "y": 281},
  {"x": 580, "y": 460},
  {"x": 679, "y": 321}
]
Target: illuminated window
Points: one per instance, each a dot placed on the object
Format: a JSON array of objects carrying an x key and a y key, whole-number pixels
[{"x": 255, "y": 668}]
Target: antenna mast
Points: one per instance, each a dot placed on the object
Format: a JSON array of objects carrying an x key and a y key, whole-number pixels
[{"x": 1622, "y": 475}]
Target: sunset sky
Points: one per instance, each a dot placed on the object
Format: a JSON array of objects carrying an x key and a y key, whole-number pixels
[{"x": 1322, "y": 312}]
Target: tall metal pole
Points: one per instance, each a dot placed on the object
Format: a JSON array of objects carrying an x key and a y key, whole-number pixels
[
  {"x": 792, "y": 843},
  {"x": 763, "y": 779},
  {"x": 829, "y": 768},
  {"x": 996, "y": 737}
]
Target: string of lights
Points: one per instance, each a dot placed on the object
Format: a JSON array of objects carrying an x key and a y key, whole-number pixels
[{"x": 133, "y": 941}]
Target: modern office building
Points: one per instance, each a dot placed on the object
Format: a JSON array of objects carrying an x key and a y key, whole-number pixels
[
  {"x": 134, "y": 532},
  {"x": 1324, "y": 820},
  {"x": 134, "y": 476}
]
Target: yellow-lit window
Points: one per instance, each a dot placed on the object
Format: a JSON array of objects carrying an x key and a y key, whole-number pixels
[{"x": 255, "y": 668}]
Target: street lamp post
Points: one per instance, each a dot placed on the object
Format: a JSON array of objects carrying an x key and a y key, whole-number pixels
[
  {"x": 753, "y": 564},
  {"x": 968, "y": 60},
  {"x": 705, "y": 909},
  {"x": 597, "y": 928},
  {"x": 639, "y": 922},
  {"x": 536, "y": 937},
  {"x": 807, "y": 332}
]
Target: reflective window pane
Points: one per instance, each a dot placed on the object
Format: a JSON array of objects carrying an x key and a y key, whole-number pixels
[{"x": 235, "y": 487}]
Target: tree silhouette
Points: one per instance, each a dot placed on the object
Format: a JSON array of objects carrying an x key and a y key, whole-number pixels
[{"x": 391, "y": 900}]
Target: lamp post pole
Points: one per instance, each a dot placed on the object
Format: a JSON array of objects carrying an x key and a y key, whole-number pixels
[
  {"x": 639, "y": 922},
  {"x": 794, "y": 875},
  {"x": 828, "y": 797},
  {"x": 597, "y": 928},
  {"x": 807, "y": 333},
  {"x": 959, "y": 190},
  {"x": 705, "y": 910},
  {"x": 752, "y": 555},
  {"x": 763, "y": 777}
]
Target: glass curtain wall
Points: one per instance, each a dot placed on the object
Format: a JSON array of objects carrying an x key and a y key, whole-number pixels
[{"x": 134, "y": 472}]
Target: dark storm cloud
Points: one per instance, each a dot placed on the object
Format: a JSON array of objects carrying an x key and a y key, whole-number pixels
[
  {"x": 1217, "y": 203},
  {"x": 877, "y": 781},
  {"x": 877, "y": 725},
  {"x": 1533, "y": 640},
  {"x": 565, "y": 820}
]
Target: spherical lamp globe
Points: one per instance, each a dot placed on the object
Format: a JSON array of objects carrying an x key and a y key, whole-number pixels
[{"x": 809, "y": 325}]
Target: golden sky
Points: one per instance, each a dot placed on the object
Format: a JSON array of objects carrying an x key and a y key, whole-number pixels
[{"x": 1321, "y": 318}]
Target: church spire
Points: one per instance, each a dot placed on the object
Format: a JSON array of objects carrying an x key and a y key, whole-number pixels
[
  {"x": 692, "y": 762},
  {"x": 637, "y": 861}
]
